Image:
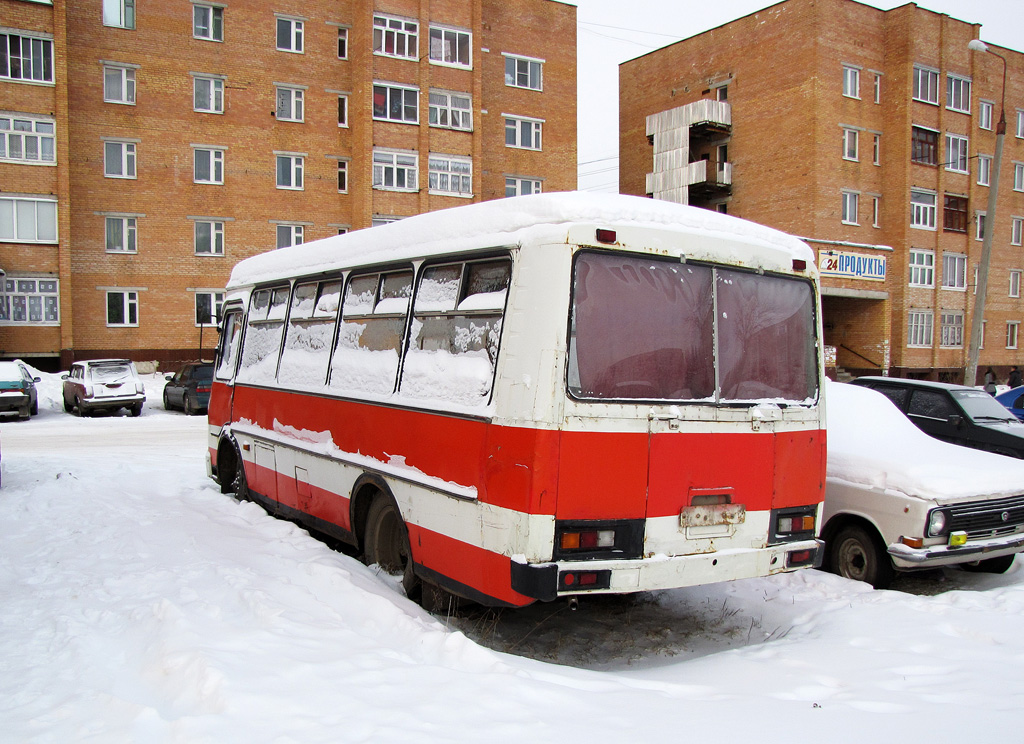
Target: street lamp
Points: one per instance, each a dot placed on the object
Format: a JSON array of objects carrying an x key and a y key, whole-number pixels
[{"x": 977, "y": 317}]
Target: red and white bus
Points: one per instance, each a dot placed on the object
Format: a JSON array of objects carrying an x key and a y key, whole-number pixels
[{"x": 532, "y": 398}]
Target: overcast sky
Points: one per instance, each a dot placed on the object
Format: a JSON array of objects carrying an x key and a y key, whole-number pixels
[{"x": 613, "y": 31}]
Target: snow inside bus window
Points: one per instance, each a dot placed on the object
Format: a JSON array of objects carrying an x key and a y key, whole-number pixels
[
  {"x": 439, "y": 288},
  {"x": 766, "y": 337},
  {"x": 307, "y": 343},
  {"x": 642, "y": 329},
  {"x": 229, "y": 348},
  {"x": 262, "y": 342}
]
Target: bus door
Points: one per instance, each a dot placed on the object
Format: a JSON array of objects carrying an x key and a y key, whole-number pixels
[{"x": 221, "y": 402}]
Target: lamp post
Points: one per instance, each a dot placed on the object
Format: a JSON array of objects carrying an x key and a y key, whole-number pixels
[{"x": 978, "y": 315}]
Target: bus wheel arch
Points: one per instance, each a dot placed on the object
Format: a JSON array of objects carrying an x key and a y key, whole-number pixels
[
  {"x": 383, "y": 534},
  {"x": 231, "y": 469}
]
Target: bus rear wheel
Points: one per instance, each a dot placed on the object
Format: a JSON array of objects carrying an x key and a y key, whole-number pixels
[{"x": 386, "y": 543}]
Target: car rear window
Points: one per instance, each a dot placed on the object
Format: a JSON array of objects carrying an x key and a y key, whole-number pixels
[
  {"x": 111, "y": 372},
  {"x": 204, "y": 373}
]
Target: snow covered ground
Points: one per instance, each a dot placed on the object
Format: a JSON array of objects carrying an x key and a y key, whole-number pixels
[{"x": 138, "y": 604}]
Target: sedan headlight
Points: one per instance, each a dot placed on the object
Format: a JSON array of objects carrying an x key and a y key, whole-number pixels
[{"x": 937, "y": 521}]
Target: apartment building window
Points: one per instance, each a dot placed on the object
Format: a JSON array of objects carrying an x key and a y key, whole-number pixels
[
  {"x": 850, "y": 203},
  {"x": 209, "y": 304},
  {"x": 922, "y": 268},
  {"x": 876, "y": 150},
  {"x": 954, "y": 271},
  {"x": 289, "y": 170},
  {"x": 922, "y": 209},
  {"x": 395, "y": 170},
  {"x": 1015, "y": 282},
  {"x": 958, "y": 93},
  {"x": 396, "y": 103},
  {"x": 1020, "y": 124},
  {"x": 27, "y": 139},
  {"x": 396, "y": 37},
  {"x": 28, "y": 220},
  {"x": 208, "y": 94},
  {"x": 342, "y": 176},
  {"x": 956, "y": 153},
  {"x": 1018, "y": 176},
  {"x": 851, "y": 82},
  {"x": 851, "y": 138},
  {"x": 342, "y": 43},
  {"x": 289, "y": 103},
  {"x": 24, "y": 57},
  {"x": 289, "y": 35},
  {"x": 119, "y": 13},
  {"x": 924, "y": 146},
  {"x": 383, "y": 219},
  {"x": 522, "y": 132},
  {"x": 450, "y": 110},
  {"x": 951, "y": 329},
  {"x": 984, "y": 169},
  {"x": 878, "y": 88},
  {"x": 119, "y": 159},
  {"x": 208, "y": 22},
  {"x": 209, "y": 165},
  {"x": 122, "y": 308},
  {"x": 209, "y": 237},
  {"x": 524, "y": 72},
  {"x": 919, "y": 328},
  {"x": 926, "y": 84},
  {"x": 289, "y": 234},
  {"x": 450, "y": 175},
  {"x": 1011, "y": 334},
  {"x": 876, "y": 211},
  {"x": 515, "y": 186},
  {"x": 29, "y": 301},
  {"x": 979, "y": 221},
  {"x": 1016, "y": 230},
  {"x": 121, "y": 234},
  {"x": 954, "y": 213},
  {"x": 119, "y": 84},
  {"x": 342, "y": 111},
  {"x": 985, "y": 114},
  {"x": 451, "y": 46}
]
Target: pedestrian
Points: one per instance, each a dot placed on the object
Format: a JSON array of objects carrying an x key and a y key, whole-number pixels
[
  {"x": 990, "y": 381},
  {"x": 1015, "y": 377}
]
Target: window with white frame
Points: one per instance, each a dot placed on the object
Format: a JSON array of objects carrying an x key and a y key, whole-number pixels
[
  {"x": 951, "y": 329},
  {"x": 1018, "y": 176},
  {"x": 524, "y": 72},
  {"x": 985, "y": 114},
  {"x": 26, "y": 300},
  {"x": 956, "y": 153},
  {"x": 958, "y": 93},
  {"x": 979, "y": 221},
  {"x": 119, "y": 13},
  {"x": 393, "y": 102},
  {"x": 25, "y": 57},
  {"x": 851, "y": 201},
  {"x": 1012, "y": 327},
  {"x": 119, "y": 159},
  {"x": 27, "y": 139},
  {"x": 1020, "y": 124},
  {"x": 954, "y": 271},
  {"x": 522, "y": 132},
  {"x": 851, "y": 138},
  {"x": 851, "y": 82},
  {"x": 209, "y": 165},
  {"x": 1017, "y": 231},
  {"x": 289, "y": 234},
  {"x": 878, "y": 88},
  {"x": 922, "y": 268},
  {"x": 383, "y": 219},
  {"x": 876, "y": 211},
  {"x": 984, "y": 169},
  {"x": 876, "y": 149},
  {"x": 451, "y": 46},
  {"x": 290, "y": 33},
  {"x": 450, "y": 110},
  {"x": 342, "y": 111},
  {"x": 121, "y": 234},
  {"x": 922, "y": 209},
  {"x": 395, "y": 170},
  {"x": 28, "y": 220},
  {"x": 209, "y": 304},
  {"x": 122, "y": 308},
  {"x": 119, "y": 84},
  {"x": 208, "y": 22},
  {"x": 289, "y": 103},
  {"x": 208, "y": 94},
  {"x": 342, "y": 176},
  {"x": 926, "y": 84},
  {"x": 1015, "y": 282},
  {"x": 450, "y": 175},
  {"x": 209, "y": 237},
  {"x": 919, "y": 328},
  {"x": 515, "y": 186},
  {"x": 342, "y": 43},
  {"x": 289, "y": 170},
  {"x": 396, "y": 37}
]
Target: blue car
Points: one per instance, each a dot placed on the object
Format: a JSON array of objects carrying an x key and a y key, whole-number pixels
[{"x": 1013, "y": 399}]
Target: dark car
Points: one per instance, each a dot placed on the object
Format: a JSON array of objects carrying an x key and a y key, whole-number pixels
[
  {"x": 18, "y": 390},
  {"x": 103, "y": 385},
  {"x": 1013, "y": 401},
  {"x": 954, "y": 413},
  {"x": 189, "y": 388}
]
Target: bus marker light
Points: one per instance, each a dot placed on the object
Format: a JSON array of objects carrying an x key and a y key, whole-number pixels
[
  {"x": 605, "y": 236},
  {"x": 799, "y": 264}
]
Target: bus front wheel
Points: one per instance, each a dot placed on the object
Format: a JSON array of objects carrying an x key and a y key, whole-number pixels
[{"x": 386, "y": 542}]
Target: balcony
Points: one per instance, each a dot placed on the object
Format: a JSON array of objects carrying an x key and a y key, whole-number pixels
[
  {"x": 707, "y": 180},
  {"x": 674, "y": 134}
]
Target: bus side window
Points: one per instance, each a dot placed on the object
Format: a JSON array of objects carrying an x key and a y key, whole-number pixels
[
  {"x": 307, "y": 343},
  {"x": 371, "y": 332},
  {"x": 228, "y": 351},
  {"x": 262, "y": 342},
  {"x": 456, "y": 331}
]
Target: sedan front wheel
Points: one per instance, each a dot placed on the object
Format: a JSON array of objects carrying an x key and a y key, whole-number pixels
[{"x": 855, "y": 554}]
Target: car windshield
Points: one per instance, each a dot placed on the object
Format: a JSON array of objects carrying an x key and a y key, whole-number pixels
[
  {"x": 981, "y": 406},
  {"x": 111, "y": 373}
]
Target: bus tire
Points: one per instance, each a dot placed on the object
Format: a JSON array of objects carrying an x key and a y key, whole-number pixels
[
  {"x": 856, "y": 554},
  {"x": 386, "y": 542},
  {"x": 990, "y": 565}
]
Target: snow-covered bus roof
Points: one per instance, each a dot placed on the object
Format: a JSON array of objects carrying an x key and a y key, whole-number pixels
[{"x": 512, "y": 221}]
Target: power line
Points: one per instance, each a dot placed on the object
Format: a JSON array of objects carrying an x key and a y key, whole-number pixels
[
  {"x": 635, "y": 30},
  {"x": 598, "y": 160}
]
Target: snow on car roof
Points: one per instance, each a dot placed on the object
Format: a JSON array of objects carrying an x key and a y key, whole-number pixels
[
  {"x": 870, "y": 442},
  {"x": 510, "y": 221}
]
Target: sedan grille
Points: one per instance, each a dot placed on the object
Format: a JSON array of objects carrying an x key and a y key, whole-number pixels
[{"x": 988, "y": 518}]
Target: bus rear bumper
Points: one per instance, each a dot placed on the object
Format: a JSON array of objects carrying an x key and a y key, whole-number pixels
[{"x": 549, "y": 581}]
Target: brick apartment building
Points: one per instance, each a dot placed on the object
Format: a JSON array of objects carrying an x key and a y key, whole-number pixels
[
  {"x": 146, "y": 147},
  {"x": 869, "y": 133}
]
